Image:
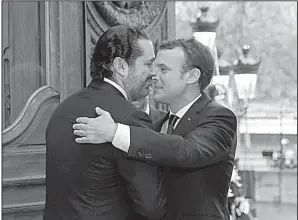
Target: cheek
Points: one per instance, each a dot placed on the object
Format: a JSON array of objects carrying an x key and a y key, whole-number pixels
[
  {"x": 143, "y": 72},
  {"x": 173, "y": 86},
  {"x": 163, "y": 79},
  {"x": 167, "y": 80},
  {"x": 167, "y": 85},
  {"x": 169, "y": 89},
  {"x": 147, "y": 71}
]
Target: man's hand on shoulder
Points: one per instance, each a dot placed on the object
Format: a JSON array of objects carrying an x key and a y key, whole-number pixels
[{"x": 95, "y": 130}]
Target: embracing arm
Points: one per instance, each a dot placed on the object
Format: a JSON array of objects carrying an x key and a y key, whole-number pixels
[{"x": 208, "y": 144}]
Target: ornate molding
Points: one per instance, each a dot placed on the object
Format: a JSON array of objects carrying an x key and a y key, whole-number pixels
[
  {"x": 26, "y": 118},
  {"x": 145, "y": 15},
  {"x": 7, "y": 105},
  {"x": 23, "y": 208}
]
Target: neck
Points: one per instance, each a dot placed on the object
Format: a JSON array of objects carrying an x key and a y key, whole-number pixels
[
  {"x": 180, "y": 102},
  {"x": 121, "y": 84},
  {"x": 141, "y": 104}
]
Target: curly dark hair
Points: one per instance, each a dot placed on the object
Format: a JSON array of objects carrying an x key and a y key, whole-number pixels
[
  {"x": 196, "y": 55},
  {"x": 117, "y": 41}
]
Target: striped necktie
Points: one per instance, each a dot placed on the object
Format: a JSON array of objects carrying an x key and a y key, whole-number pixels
[{"x": 172, "y": 121}]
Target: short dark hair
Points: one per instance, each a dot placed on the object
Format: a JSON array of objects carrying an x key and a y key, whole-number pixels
[
  {"x": 197, "y": 55},
  {"x": 117, "y": 41}
]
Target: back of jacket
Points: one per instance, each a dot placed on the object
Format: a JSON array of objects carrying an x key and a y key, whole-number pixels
[{"x": 85, "y": 181}]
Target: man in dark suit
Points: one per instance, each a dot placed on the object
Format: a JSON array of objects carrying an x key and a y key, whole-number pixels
[
  {"x": 199, "y": 148},
  {"x": 144, "y": 105},
  {"x": 99, "y": 183}
]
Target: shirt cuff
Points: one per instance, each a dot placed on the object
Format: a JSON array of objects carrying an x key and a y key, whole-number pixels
[{"x": 122, "y": 137}]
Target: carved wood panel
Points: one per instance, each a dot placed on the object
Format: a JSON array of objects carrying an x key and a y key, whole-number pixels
[
  {"x": 23, "y": 64},
  {"x": 44, "y": 56},
  {"x": 147, "y": 15},
  {"x": 156, "y": 18}
]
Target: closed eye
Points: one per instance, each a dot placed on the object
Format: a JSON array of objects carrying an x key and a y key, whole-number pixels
[
  {"x": 163, "y": 68},
  {"x": 149, "y": 62}
]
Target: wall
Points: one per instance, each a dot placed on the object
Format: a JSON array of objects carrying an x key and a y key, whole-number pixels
[{"x": 270, "y": 186}]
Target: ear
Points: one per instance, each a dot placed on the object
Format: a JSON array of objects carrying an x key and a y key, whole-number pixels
[
  {"x": 193, "y": 76},
  {"x": 121, "y": 66}
]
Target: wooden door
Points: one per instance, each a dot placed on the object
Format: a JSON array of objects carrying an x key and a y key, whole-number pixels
[
  {"x": 46, "y": 48},
  {"x": 43, "y": 62}
]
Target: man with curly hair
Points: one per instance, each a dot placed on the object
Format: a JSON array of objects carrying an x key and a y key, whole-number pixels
[{"x": 100, "y": 183}]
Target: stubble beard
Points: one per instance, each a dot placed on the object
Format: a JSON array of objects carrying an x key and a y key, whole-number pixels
[{"x": 137, "y": 90}]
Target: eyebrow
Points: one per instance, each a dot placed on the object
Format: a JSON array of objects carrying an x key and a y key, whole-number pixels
[
  {"x": 162, "y": 65},
  {"x": 151, "y": 60}
]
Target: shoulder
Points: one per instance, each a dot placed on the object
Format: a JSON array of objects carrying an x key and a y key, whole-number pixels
[
  {"x": 83, "y": 103},
  {"x": 214, "y": 108},
  {"x": 220, "y": 115},
  {"x": 135, "y": 117},
  {"x": 125, "y": 112}
]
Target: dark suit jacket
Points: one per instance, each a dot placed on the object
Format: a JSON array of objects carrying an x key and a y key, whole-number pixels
[
  {"x": 198, "y": 160},
  {"x": 85, "y": 181},
  {"x": 156, "y": 114}
]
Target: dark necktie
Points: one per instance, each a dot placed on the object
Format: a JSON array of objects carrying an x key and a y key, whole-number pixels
[{"x": 172, "y": 121}]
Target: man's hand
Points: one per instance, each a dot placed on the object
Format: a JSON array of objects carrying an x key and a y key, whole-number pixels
[{"x": 95, "y": 130}]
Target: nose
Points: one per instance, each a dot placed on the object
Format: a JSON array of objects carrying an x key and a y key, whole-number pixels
[{"x": 153, "y": 71}]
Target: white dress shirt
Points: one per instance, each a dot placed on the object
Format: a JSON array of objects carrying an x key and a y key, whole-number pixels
[
  {"x": 147, "y": 109},
  {"x": 122, "y": 136}
]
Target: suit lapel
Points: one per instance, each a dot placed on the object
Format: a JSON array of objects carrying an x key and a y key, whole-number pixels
[
  {"x": 189, "y": 120},
  {"x": 156, "y": 114},
  {"x": 158, "y": 124}
]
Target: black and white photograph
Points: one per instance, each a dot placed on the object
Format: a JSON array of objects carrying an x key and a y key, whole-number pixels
[{"x": 149, "y": 110}]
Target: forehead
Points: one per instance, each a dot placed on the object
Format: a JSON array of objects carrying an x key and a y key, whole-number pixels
[
  {"x": 147, "y": 48},
  {"x": 172, "y": 57}
]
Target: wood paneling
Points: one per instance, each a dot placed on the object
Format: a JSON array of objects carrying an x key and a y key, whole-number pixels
[
  {"x": 44, "y": 62},
  {"x": 30, "y": 126},
  {"x": 26, "y": 69},
  {"x": 171, "y": 21},
  {"x": 52, "y": 44},
  {"x": 21, "y": 164},
  {"x": 72, "y": 47},
  {"x": 19, "y": 194},
  {"x": 43, "y": 43},
  {"x": 6, "y": 59}
]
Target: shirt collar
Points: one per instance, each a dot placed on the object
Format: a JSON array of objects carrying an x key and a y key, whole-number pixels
[
  {"x": 116, "y": 86},
  {"x": 182, "y": 111},
  {"x": 147, "y": 109}
]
